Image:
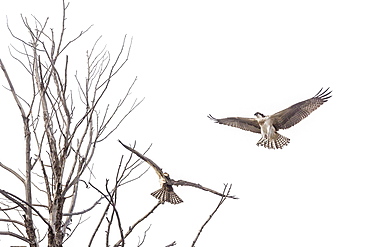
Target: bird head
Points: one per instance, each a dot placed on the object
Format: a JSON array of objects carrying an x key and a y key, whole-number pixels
[
  {"x": 166, "y": 175},
  {"x": 259, "y": 115}
]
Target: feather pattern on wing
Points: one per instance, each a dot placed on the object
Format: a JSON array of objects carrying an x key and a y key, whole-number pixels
[
  {"x": 249, "y": 124},
  {"x": 294, "y": 114},
  {"x": 157, "y": 169},
  {"x": 186, "y": 183}
]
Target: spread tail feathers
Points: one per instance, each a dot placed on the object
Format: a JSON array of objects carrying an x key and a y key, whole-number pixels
[
  {"x": 275, "y": 142},
  {"x": 166, "y": 196}
]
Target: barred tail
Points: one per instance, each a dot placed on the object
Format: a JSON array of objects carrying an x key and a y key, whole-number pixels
[
  {"x": 275, "y": 142},
  {"x": 167, "y": 196}
]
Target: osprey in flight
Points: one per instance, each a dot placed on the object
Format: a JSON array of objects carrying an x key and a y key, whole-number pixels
[
  {"x": 269, "y": 125},
  {"x": 166, "y": 193}
]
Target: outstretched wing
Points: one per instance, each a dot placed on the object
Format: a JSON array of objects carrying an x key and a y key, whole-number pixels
[
  {"x": 186, "y": 183},
  {"x": 157, "y": 169},
  {"x": 294, "y": 114},
  {"x": 249, "y": 124}
]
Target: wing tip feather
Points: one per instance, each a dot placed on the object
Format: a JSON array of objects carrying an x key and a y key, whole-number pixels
[
  {"x": 323, "y": 95},
  {"x": 212, "y": 118}
]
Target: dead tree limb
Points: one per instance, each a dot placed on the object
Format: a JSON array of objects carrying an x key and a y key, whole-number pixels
[
  {"x": 227, "y": 190},
  {"x": 171, "y": 244},
  {"x": 112, "y": 203},
  {"x": 131, "y": 228}
]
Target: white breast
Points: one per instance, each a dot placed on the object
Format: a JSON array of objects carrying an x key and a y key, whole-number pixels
[
  {"x": 162, "y": 181},
  {"x": 267, "y": 129}
]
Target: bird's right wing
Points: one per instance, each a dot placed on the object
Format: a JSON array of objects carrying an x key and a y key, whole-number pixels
[
  {"x": 249, "y": 124},
  {"x": 157, "y": 169},
  {"x": 294, "y": 114},
  {"x": 186, "y": 183}
]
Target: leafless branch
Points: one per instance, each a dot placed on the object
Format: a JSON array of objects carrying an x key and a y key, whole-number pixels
[
  {"x": 227, "y": 190},
  {"x": 12, "y": 171},
  {"x": 122, "y": 177},
  {"x": 171, "y": 244},
  {"x": 86, "y": 210},
  {"x": 20, "y": 203},
  {"x": 12, "y": 89},
  {"x": 80, "y": 221},
  {"x": 109, "y": 199},
  {"x": 134, "y": 105},
  {"x": 13, "y": 221},
  {"x": 131, "y": 228},
  {"x": 142, "y": 241},
  {"x": 16, "y": 236}
]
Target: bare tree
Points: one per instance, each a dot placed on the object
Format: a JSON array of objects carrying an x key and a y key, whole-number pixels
[
  {"x": 64, "y": 119},
  {"x": 62, "y": 135}
]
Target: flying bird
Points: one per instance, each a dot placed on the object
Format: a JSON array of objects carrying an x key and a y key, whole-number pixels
[
  {"x": 166, "y": 192},
  {"x": 269, "y": 125}
]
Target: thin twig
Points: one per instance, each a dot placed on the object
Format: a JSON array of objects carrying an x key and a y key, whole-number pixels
[
  {"x": 131, "y": 228},
  {"x": 210, "y": 217},
  {"x": 13, "y": 172},
  {"x": 16, "y": 236},
  {"x": 140, "y": 243},
  {"x": 171, "y": 244},
  {"x": 19, "y": 202},
  {"x": 114, "y": 209},
  {"x": 84, "y": 211}
]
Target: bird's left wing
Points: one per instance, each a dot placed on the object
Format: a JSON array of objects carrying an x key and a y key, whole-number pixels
[
  {"x": 186, "y": 183},
  {"x": 249, "y": 124},
  {"x": 157, "y": 169},
  {"x": 294, "y": 114}
]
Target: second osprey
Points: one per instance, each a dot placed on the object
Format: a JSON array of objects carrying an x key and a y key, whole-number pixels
[{"x": 269, "y": 125}]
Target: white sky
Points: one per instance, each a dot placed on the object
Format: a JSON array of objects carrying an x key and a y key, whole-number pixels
[{"x": 229, "y": 59}]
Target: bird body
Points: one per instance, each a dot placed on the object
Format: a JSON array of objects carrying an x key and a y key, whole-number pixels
[
  {"x": 270, "y": 137},
  {"x": 268, "y": 126}
]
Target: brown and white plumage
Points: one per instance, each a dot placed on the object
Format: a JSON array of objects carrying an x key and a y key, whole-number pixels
[
  {"x": 166, "y": 193},
  {"x": 269, "y": 125}
]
